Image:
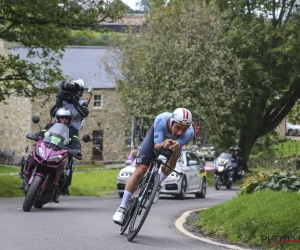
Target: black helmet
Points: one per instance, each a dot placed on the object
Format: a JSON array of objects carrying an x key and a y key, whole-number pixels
[
  {"x": 231, "y": 149},
  {"x": 237, "y": 149}
]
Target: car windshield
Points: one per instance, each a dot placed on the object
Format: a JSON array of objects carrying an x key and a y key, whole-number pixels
[{"x": 57, "y": 135}]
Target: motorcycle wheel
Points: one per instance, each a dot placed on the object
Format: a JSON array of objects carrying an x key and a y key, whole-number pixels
[
  {"x": 229, "y": 185},
  {"x": 218, "y": 184},
  {"x": 31, "y": 193},
  {"x": 38, "y": 204}
]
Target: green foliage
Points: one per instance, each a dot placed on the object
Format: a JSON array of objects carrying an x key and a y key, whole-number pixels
[
  {"x": 44, "y": 28},
  {"x": 265, "y": 37},
  {"x": 180, "y": 58},
  {"x": 246, "y": 219},
  {"x": 90, "y": 38},
  {"x": 276, "y": 181}
]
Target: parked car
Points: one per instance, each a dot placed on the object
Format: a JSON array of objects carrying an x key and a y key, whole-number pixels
[
  {"x": 192, "y": 182},
  {"x": 291, "y": 128},
  {"x": 207, "y": 152}
]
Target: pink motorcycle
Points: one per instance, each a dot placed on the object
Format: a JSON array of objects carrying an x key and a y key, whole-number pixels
[{"x": 48, "y": 165}]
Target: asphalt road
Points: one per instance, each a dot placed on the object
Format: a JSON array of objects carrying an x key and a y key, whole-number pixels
[{"x": 86, "y": 223}]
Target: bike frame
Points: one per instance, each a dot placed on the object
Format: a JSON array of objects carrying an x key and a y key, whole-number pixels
[{"x": 140, "y": 196}]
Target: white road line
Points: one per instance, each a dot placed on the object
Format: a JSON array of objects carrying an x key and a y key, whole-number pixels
[{"x": 182, "y": 219}]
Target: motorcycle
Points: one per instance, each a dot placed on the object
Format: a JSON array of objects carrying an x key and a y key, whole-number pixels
[
  {"x": 47, "y": 167},
  {"x": 224, "y": 171}
]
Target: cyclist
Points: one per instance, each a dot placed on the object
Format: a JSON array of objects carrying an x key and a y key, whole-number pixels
[{"x": 169, "y": 131}]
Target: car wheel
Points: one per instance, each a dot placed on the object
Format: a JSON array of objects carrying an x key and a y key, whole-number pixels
[
  {"x": 182, "y": 194},
  {"x": 202, "y": 194},
  {"x": 290, "y": 132},
  {"x": 121, "y": 195}
]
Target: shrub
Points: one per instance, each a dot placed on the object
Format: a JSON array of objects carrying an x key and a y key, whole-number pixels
[{"x": 276, "y": 181}]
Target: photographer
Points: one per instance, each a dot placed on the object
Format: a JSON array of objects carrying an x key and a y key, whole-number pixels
[{"x": 69, "y": 96}]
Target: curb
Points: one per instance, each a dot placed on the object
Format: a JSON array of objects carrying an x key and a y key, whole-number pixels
[{"x": 182, "y": 219}]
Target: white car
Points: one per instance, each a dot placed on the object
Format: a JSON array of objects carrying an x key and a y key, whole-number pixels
[
  {"x": 193, "y": 180},
  {"x": 291, "y": 128}
]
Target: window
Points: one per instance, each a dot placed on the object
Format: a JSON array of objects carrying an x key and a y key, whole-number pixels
[{"x": 97, "y": 101}]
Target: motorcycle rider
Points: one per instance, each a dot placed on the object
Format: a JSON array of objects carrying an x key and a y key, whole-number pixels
[
  {"x": 238, "y": 160},
  {"x": 63, "y": 115},
  {"x": 232, "y": 152},
  {"x": 169, "y": 131},
  {"x": 69, "y": 96}
]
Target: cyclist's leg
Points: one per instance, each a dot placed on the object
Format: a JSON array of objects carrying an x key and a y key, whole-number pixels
[{"x": 145, "y": 151}]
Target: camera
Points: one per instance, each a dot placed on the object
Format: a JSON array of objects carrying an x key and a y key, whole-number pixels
[{"x": 65, "y": 91}]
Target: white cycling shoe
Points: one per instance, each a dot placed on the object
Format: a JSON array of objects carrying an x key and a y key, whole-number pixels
[{"x": 119, "y": 216}]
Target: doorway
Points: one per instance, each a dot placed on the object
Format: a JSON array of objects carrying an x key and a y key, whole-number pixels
[{"x": 98, "y": 145}]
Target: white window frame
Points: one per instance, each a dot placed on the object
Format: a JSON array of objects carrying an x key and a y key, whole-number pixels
[{"x": 101, "y": 101}]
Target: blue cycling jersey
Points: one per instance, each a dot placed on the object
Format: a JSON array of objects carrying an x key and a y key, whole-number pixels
[{"x": 161, "y": 130}]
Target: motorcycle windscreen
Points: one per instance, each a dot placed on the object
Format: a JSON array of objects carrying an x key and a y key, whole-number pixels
[
  {"x": 58, "y": 135},
  {"x": 224, "y": 158}
]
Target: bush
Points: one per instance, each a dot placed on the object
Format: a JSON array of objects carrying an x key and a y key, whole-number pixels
[
  {"x": 89, "y": 38},
  {"x": 276, "y": 181}
]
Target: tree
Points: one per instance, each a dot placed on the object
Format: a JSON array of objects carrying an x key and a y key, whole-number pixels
[
  {"x": 265, "y": 36},
  {"x": 180, "y": 59},
  {"x": 143, "y": 5},
  {"x": 44, "y": 27},
  {"x": 238, "y": 69}
]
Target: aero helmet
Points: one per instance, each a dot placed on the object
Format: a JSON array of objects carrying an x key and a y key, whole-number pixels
[{"x": 182, "y": 116}]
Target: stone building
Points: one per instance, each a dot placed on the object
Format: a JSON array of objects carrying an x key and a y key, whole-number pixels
[{"x": 108, "y": 123}]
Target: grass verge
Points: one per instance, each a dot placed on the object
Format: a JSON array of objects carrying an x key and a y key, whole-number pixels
[
  {"x": 7, "y": 170},
  {"x": 94, "y": 183},
  {"x": 254, "y": 219},
  {"x": 88, "y": 167}
]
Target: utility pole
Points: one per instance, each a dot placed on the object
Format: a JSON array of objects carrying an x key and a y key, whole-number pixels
[{"x": 132, "y": 132}]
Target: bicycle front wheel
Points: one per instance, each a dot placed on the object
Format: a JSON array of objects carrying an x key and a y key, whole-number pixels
[
  {"x": 128, "y": 216},
  {"x": 143, "y": 207}
]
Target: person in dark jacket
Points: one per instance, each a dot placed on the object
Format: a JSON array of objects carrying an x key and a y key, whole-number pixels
[
  {"x": 69, "y": 96},
  {"x": 63, "y": 116}
]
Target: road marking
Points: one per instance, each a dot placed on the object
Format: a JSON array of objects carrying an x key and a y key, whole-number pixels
[
  {"x": 182, "y": 219},
  {"x": 218, "y": 194}
]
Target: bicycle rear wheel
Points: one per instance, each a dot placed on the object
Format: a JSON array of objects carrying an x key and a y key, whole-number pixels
[{"x": 143, "y": 207}]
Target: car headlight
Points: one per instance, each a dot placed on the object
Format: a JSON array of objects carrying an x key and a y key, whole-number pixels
[
  {"x": 41, "y": 152},
  {"x": 173, "y": 175}
]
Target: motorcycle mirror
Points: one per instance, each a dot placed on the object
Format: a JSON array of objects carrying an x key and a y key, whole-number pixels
[
  {"x": 35, "y": 119},
  {"x": 86, "y": 138}
]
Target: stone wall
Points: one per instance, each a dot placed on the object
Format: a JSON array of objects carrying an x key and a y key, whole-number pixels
[
  {"x": 111, "y": 118},
  {"x": 15, "y": 123}
]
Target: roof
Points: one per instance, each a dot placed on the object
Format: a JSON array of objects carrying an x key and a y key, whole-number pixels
[{"x": 79, "y": 62}]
